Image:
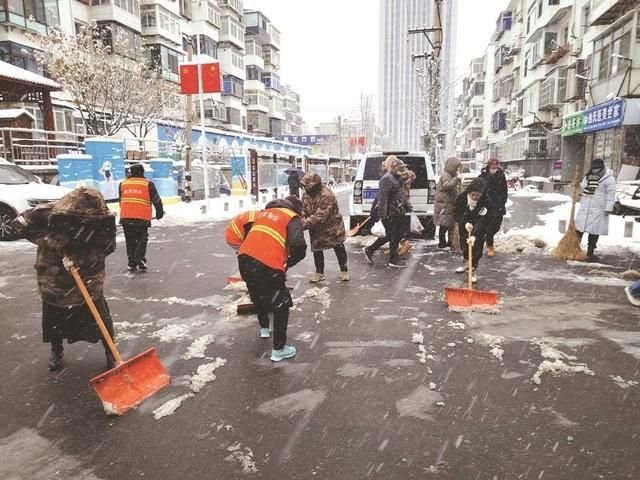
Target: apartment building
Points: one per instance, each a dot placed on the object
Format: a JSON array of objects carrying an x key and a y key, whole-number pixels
[
  {"x": 564, "y": 87},
  {"x": 162, "y": 30}
]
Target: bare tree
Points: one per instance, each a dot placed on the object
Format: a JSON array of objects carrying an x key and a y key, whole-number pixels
[{"x": 111, "y": 90}]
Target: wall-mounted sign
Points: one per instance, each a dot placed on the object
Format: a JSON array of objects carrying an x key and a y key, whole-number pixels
[{"x": 599, "y": 117}]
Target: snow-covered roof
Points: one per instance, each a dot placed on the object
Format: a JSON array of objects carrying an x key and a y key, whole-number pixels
[
  {"x": 10, "y": 113},
  {"x": 8, "y": 70}
]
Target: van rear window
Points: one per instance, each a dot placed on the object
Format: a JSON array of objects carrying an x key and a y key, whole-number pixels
[{"x": 373, "y": 169}]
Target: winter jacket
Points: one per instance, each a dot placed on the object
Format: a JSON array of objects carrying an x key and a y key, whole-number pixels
[
  {"x": 497, "y": 189},
  {"x": 155, "y": 200},
  {"x": 446, "y": 192},
  {"x": 593, "y": 214},
  {"x": 463, "y": 214},
  {"x": 321, "y": 214},
  {"x": 80, "y": 226},
  {"x": 296, "y": 243},
  {"x": 294, "y": 184},
  {"x": 407, "y": 177},
  {"x": 391, "y": 201}
]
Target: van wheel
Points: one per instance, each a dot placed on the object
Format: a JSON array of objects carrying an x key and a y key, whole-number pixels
[
  {"x": 7, "y": 233},
  {"x": 429, "y": 232}
]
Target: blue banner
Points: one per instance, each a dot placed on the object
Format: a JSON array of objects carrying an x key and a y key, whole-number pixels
[
  {"x": 307, "y": 139},
  {"x": 604, "y": 116}
]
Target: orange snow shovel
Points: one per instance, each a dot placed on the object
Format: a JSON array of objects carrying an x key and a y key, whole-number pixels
[
  {"x": 357, "y": 228},
  {"x": 128, "y": 383},
  {"x": 468, "y": 297}
]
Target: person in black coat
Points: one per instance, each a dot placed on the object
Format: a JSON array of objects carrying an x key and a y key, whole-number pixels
[
  {"x": 497, "y": 191},
  {"x": 473, "y": 206},
  {"x": 391, "y": 207},
  {"x": 294, "y": 184}
]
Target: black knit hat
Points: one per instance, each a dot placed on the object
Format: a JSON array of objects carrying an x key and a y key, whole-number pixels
[
  {"x": 137, "y": 170},
  {"x": 597, "y": 163}
]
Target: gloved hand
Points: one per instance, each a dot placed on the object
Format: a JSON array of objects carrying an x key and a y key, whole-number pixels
[
  {"x": 67, "y": 263},
  {"x": 159, "y": 215},
  {"x": 468, "y": 227},
  {"x": 483, "y": 212},
  {"x": 471, "y": 240}
]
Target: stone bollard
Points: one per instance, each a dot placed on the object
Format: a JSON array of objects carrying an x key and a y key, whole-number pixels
[
  {"x": 562, "y": 226},
  {"x": 628, "y": 229}
]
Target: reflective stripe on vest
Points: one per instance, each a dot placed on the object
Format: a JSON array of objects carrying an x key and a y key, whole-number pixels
[
  {"x": 267, "y": 240},
  {"x": 135, "y": 200},
  {"x": 234, "y": 234}
]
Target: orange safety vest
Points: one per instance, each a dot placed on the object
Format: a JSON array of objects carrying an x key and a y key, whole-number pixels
[
  {"x": 135, "y": 200},
  {"x": 267, "y": 240},
  {"x": 234, "y": 234}
]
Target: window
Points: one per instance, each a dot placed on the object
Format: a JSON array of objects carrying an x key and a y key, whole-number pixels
[
  {"x": 499, "y": 121},
  {"x": 235, "y": 4},
  {"x": 540, "y": 6},
  {"x": 554, "y": 2},
  {"x": 478, "y": 89},
  {"x": 237, "y": 60},
  {"x": 271, "y": 80},
  {"x": 20, "y": 56},
  {"x": 549, "y": 39},
  {"x": 256, "y": 97},
  {"x": 233, "y": 86},
  {"x": 254, "y": 73},
  {"x": 477, "y": 112},
  {"x": 213, "y": 14},
  {"x": 234, "y": 116},
  {"x": 232, "y": 28},
  {"x": 604, "y": 64},
  {"x": 148, "y": 16},
  {"x": 504, "y": 21}
]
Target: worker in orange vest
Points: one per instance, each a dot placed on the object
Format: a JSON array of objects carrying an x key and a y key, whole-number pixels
[
  {"x": 274, "y": 244},
  {"x": 239, "y": 227},
  {"x": 137, "y": 193}
]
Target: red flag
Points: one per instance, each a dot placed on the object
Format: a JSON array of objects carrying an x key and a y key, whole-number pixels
[
  {"x": 210, "y": 78},
  {"x": 188, "y": 78}
]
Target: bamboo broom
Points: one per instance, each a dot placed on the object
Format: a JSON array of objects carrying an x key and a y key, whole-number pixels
[{"x": 569, "y": 247}]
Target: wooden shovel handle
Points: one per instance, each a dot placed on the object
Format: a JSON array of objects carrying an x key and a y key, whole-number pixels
[
  {"x": 470, "y": 268},
  {"x": 96, "y": 315}
]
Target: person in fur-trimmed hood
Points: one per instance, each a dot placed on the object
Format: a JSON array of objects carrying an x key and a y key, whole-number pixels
[
  {"x": 78, "y": 226},
  {"x": 598, "y": 199},
  {"x": 322, "y": 217},
  {"x": 473, "y": 207}
]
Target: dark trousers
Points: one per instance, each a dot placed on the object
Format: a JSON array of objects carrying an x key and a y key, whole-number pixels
[
  {"x": 268, "y": 293},
  {"x": 341, "y": 254},
  {"x": 494, "y": 227},
  {"x": 393, "y": 229},
  {"x": 444, "y": 236},
  {"x": 136, "y": 237},
  {"x": 592, "y": 240},
  {"x": 478, "y": 246}
]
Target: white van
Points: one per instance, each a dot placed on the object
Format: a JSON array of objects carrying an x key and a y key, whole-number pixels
[{"x": 365, "y": 187}]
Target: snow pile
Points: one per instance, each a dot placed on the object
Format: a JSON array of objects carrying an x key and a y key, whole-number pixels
[
  {"x": 516, "y": 244},
  {"x": 205, "y": 374},
  {"x": 231, "y": 306},
  {"x": 244, "y": 456},
  {"x": 171, "y": 333},
  {"x": 320, "y": 294},
  {"x": 494, "y": 342},
  {"x": 497, "y": 351},
  {"x": 490, "y": 309},
  {"x": 417, "y": 338},
  {"x": 109, "y": 408},
  {"x": 552, "y": 197},
  {"x": 185, "y": 214},
  {"x": 127, "y": 331},
  {"x": 457, "y": 325},
  {"x": 622, "y": 383},
  {"x": 630, "y": 275},
  {"x": 554, "y": 363},
  {"x": 171, "y": 406},
  {"x": 198, "y": 347},
  {"x": 236, "y": 287},
  {"x": 422, "y": 354},
  {"x": 361, "y": 240}
]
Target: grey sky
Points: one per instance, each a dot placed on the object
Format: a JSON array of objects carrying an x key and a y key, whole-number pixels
[{"x": 330, "y": 48}]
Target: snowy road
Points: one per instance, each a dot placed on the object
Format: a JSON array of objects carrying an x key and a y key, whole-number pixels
[{"x": 387, "y": 383}]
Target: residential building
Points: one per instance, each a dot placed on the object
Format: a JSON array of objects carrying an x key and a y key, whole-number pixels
[{"x": 399, "y": 86}]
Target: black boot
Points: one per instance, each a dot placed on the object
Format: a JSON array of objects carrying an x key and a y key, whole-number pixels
[
  {"x": 57, "y": 354},
  {"x": 590, "y": 251}
]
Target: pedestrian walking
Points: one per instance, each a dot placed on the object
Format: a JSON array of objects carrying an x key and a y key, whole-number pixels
[
  {"x": 294, "y": 183},
  {"x": 391, "y": 209},
  {"x": 473, "y": 207},
  {"x": 633, "y": 293},
  {"x": 498, "y": 192},
  {"x": 322, "y": 217},
  {"x": 137, "y": 194},
  {"x": 446, "y": 193},
  {"x": 238, "y": 228},
  {"x": 407, "y": 177},
  {"x": 597, "y": 202},
  {"x": 80, "y": 227},
  {"x": 275, "y": 244}
]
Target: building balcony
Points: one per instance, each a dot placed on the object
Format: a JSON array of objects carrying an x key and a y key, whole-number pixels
[
  {"x": 551, "y": 15},
  {"x": 103, "y": 11},
  {"x": 605, "y": 12}
]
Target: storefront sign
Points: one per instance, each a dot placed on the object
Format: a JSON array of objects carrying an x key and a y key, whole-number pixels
[
  {"x": 599, "y": 117},
  {"x": 253, "y": 169},
  {"x": 307, "y": 139}
]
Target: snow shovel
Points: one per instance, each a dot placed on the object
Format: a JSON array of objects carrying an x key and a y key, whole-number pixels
[
  {"x": 354, "y": 231},
  {"x": 128, "y": 383},
  {"x": 468, "y": 297}
]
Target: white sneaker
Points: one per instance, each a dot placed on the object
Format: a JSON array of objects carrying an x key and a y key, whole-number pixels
[
  {"x": 265, "y": 332},
  {"x": 462, "y": 269},
  {"x": 632, "y": 299},
  {"x": 317, "y": 277},
  {"x": 344, "y": 276},
  {"x": 474, "y": 278}
]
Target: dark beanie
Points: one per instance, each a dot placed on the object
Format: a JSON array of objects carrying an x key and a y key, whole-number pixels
[
  {"x": 597, "y": 163},
  {"x": 297, "y": 204},
  {"x": 137, "y": 170}
]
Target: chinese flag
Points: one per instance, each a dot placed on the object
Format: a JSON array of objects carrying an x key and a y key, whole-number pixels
[
  {"x": 188, "y": 79},
  {"x": 210, "y": 78}
]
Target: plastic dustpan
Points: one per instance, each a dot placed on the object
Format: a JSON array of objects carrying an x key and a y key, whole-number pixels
[
  {"x": 468, "y": 297},
  {"x": 128, "y": 383}
]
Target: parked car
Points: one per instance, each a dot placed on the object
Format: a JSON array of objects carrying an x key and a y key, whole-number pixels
[
  {"x": 628, "y": 198},
  {"x": 20, "y": 190},
  {"x": 365, "y": 188}
]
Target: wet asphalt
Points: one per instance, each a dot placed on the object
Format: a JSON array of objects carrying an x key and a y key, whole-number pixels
[{"x": 355, "y": 402}]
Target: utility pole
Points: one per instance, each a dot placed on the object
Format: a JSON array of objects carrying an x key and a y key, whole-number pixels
[
  {"x": 203, "y": 135},
  {"x": 429, "y": 80},
  {"x": 187, "y": 131}
]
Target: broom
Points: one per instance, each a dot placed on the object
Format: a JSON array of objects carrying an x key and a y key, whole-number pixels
[{"x": 569, "y": 247}]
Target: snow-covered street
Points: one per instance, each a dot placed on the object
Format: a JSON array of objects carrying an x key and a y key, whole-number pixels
[{"x": 387, "y": 382}]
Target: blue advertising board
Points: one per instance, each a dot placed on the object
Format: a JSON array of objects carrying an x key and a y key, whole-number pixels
[
  {"x": 307, "y": 139},
  {"x": 604, "y": 116}
]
